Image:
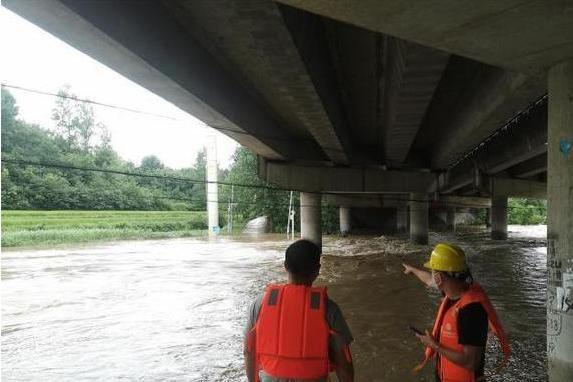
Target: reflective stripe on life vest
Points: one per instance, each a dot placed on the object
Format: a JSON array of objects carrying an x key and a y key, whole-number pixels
[
  {"x": 291, "y": 332},
  {"x": 446, "y": 329}
]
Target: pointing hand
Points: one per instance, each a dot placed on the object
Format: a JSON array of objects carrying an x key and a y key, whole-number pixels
[{"x": 407, "y": 268}]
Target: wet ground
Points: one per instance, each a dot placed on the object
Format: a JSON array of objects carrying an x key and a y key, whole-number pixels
[{"x": 174, "y": 309}]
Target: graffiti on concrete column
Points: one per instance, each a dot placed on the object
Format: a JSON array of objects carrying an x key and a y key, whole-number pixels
[{"x": 559, "y": 293}]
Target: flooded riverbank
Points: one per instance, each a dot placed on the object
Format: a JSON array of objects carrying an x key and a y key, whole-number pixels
[{"x": 175, "y": 309}]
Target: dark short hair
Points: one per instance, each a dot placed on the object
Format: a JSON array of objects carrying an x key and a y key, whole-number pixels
[{"x": 302, "y": 258}]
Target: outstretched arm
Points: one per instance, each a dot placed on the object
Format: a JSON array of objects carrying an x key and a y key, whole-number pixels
[{"x": 423, "y": 275}]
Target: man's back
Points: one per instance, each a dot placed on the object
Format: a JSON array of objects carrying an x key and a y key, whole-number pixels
[
  {"x": 308, "y": 315},
  {"x": 338, "y": 343}
]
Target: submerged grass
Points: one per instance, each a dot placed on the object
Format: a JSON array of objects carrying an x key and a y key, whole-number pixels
[{"x": 40, "y": 228}]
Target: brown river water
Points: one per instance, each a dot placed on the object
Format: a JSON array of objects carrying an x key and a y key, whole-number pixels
[{"x": 174, "y": 310}]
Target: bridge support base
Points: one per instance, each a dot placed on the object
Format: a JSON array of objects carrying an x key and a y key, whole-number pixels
[
  {"x": 310, "y": 217},
  {"x": 344, "y": 220},
  {"x": 499, "y": 217},
  {"x": 402, "y": 217},
  {"x": 419, "y": 220},
  {"x": 451, "y": 219}
]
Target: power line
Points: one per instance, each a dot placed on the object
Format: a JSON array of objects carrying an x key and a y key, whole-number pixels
[
  {"x": 85, "y": 100},
  {"x": 123, "y": 108}
]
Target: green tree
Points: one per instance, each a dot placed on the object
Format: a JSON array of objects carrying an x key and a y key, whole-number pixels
[
  {"x": 527, "y": 211},
  {"x": 199, "y": 172},
  {"x": 151, "y": 163},
  {"x": 76, "y": 123}
]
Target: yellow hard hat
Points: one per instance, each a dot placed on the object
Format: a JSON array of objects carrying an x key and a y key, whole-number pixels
[{"x": 448, "y": 258}]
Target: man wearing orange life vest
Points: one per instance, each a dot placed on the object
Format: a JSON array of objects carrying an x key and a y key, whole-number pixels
[
  {"x": 294, "y": 332},
  {"x": 460, "y": 330}
]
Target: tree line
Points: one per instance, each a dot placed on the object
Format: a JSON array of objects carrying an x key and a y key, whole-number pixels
[{"x": 80, "y": 140}]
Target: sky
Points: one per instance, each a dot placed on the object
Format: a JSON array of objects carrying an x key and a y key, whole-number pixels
[{"x": 33, "y": 58}]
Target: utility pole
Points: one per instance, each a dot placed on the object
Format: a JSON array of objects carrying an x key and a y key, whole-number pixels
[
  {"x": 212, "y": 186},
  {"x": 290, "y": 220},
  {"x": 230, "y": 211}
]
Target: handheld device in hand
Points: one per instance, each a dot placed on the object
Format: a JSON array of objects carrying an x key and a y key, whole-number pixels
[{"x": 415, "y": 330}]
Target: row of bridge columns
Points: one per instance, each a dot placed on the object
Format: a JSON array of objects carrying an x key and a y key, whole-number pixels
[{"x": 417, "y": 214}]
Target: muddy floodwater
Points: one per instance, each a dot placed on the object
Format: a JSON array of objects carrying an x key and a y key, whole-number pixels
[{"x": 174, "y": 310}]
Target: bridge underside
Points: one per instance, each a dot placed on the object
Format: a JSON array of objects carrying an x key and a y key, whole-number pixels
[{"x": 376, "y": 101}]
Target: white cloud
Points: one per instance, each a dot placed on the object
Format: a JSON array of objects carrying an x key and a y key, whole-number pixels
[{"x": 35, "y": 59}]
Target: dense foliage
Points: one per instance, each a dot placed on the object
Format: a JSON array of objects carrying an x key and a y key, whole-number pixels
[
  {"x": 79, "y": 140},
  {"x": 526, "y": 211},
  {"x": 252, "y": 202}
]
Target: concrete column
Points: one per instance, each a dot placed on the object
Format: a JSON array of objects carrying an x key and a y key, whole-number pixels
[
  {"x": 560, "y": 223},
  {"x": 419, "y": 219},
  {"x": 310, "y": 224},
  {"x": 344, "y": 220},
  {"x": 487, "y": 217},
  {"x": 499, "y": 217},
  {"x": 451, "y": 219},
  {"x": 402, "y": 218}
]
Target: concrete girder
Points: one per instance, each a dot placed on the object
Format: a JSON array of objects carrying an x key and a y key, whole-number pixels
[
  {"x": 492, "y": 98},
  {"x": 344, "y": 179},
  {"x": 397, "y": 200},
  {"x": 466, "y": 201},
  {"x": 494, "y": 32},
  {"x": 366, "y": 200},
  {"x": 528, "y": 141},
  {"x": 456, "y": 185},
  {"x": 259, "y": 48},
  {"x": 532, "y": 167},
  {"x": 520, "y": 188},
  {"x": 309, "y": 37},
  {"x": 518, "y": 144},
  {"x": 411, "y": 77},
  {"x": 356, "y": 56},
  {"x": 168, "y": 62}
]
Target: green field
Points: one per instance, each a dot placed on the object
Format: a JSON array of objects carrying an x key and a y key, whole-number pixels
[{"x": 41, "y": 228}]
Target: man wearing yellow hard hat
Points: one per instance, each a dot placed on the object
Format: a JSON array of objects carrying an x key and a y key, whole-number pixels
[{"x": 459, "y": 335}]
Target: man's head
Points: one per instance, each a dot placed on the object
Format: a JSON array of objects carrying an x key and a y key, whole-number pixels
[
  {"x": 302, "y": 262},
  {"x": 450, "y": 271}
]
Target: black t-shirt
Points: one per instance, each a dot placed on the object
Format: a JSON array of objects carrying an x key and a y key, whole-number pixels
[{"x": 472, "y": 330}]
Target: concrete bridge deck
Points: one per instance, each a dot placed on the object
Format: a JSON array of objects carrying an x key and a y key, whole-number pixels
[{"x": 445, "y": 99}]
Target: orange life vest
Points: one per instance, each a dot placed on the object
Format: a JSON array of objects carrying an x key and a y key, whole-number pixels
[
  {"x": 446, "y": 329},
  {"x": 291, "y": 332}
]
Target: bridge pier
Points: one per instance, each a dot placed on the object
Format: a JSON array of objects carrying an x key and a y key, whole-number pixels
[
  {"x": 402, "y": 217},
  {"x": 499, "y": 217},
  {"x": 488, "y": 217},
  {"x": 419, "y": 219},
  {"x": 560, "y": 223},
  {"x": 310, "y": 217},
  {"x": 451, "y": 219},
  {"x": 344, "y": 220}
]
